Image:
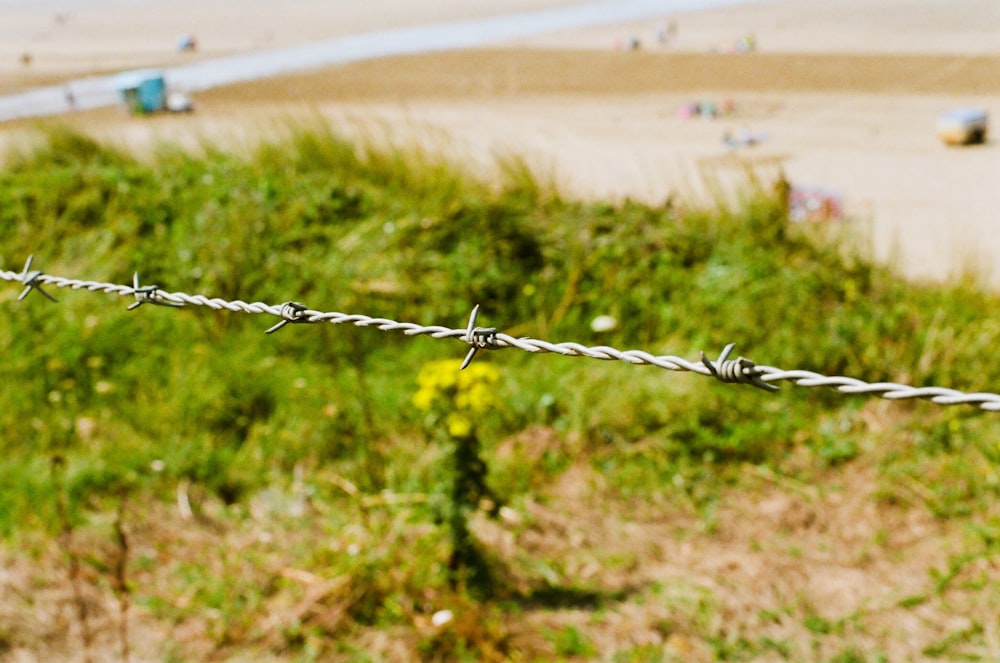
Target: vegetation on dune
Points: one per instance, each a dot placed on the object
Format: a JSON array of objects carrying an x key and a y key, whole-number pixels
[{"x": 295, "y": 495}]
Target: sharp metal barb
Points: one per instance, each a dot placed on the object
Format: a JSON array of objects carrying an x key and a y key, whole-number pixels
[
  {"x": 29, "y": 278},
  {"x": 477, "y": 337},
  {"x": 290, "y": 312},
  {"x": 468, "y": 338},
  {"x": 147, "y": 295},
  {"x": 740, "y": 370}
]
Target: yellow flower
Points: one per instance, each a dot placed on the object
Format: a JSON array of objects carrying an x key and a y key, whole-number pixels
[
  {"x": 439, "y": 375},
  {"x": 478, "y": 398},
  {"x": 478, "y": 373},
  {"x": 443, "y": 386},
  {"x": 424, "y": 399},
  {"x": 458, "y": 425}
]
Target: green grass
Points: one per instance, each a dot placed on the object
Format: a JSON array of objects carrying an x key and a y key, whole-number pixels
[{"x": 136, "y": 405}]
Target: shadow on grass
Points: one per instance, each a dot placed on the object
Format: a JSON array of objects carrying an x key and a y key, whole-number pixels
[{"x": 555, "y": 597}]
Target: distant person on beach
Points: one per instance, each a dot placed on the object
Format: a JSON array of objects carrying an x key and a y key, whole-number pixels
[
  {"x": 665, "y": 34},
  {"x": 187, "y": 43}
]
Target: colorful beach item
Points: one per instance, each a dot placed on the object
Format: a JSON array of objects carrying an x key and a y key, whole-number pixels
[{"x": 963, "y": 126}]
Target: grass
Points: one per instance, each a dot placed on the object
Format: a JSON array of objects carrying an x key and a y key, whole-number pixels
[{"x": 280, "y": 498}]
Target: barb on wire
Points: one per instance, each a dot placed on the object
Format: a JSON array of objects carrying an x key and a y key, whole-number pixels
[
  {"x": 478, "y": 337},
  {"x": 740, "y": 370},
  {"x": 147, "y": 294},
  {"x": 30, "y": 279},
  {"x": 290, "y": 312}
]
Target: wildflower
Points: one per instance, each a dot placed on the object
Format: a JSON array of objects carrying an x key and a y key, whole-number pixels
[
  {"x": 442, "y": 386},
  {"x": 442, "y": 617},
  {"x": 603, "y": 323},
  {"x": 459, "y": 425},
  {"x": 424, "y": 399}
]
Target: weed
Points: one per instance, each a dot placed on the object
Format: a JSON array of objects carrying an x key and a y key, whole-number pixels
[
  {"x": 72, "y": 558},
  {"x": 453, "y": 399},
  {"x": 570, "y": 641}
]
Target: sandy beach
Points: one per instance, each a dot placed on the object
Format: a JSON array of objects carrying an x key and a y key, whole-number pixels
[{"x": 841, "y": 99}]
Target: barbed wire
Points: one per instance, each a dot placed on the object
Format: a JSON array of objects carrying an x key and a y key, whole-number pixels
[{"x": 740, "y": 370}]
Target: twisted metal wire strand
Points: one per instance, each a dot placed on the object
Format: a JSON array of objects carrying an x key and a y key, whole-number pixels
[{"x": 738, "y": 370}]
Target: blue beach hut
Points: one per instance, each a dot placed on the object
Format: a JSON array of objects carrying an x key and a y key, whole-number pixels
[{"x": 142, "y": 91}]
